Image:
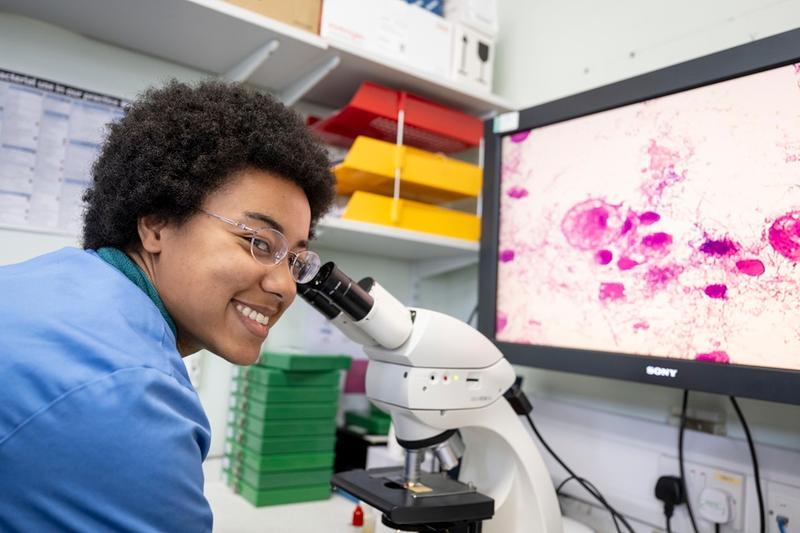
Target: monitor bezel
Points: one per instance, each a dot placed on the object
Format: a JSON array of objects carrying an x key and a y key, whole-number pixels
[{"x": 772, "y": 384}]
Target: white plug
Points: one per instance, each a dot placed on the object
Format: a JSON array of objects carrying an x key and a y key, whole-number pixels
[{"x": 715, "y": 505}]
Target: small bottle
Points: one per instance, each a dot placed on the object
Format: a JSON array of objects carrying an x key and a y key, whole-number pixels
[{"x": 358, "y": 516}]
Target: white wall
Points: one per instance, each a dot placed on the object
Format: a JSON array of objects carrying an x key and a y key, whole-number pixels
[{"x": 553, "y": 48}]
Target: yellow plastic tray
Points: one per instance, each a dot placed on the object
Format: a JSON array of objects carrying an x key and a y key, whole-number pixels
[
  {"x": 416, "y": 216},
  {"x": 425, "y": 176}
]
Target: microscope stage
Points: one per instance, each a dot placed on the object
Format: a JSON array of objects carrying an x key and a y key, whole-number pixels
[{"x": 440, "y": 500}]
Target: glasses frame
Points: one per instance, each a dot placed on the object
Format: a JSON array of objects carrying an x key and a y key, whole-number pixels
[{"x": 282, "y": 254}]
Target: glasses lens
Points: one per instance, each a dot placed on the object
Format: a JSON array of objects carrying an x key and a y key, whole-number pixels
[
  {"x": 269, "y": 246},
  {"x": 304, "y": 266}
]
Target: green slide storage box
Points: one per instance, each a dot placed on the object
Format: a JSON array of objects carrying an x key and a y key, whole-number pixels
[
  {"x": 281, "y": 428},
  {"x": 260, "y": 498},
  {"x": 264, "y": 393},
  {"x": 273, "y": 445},
  {"x": 304, "y": 363},
  {"x": 281, "y": 378},
  {"x": 284, "y": 411},
  {"x": 238, "y": 455},
  {"x": 276, "y": 480}
]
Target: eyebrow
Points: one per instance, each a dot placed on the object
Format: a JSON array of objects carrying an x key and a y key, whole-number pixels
[{"x": 274, "y": 224}]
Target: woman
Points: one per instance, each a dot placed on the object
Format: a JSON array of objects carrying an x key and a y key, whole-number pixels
[{"x": 196, "y": 227}]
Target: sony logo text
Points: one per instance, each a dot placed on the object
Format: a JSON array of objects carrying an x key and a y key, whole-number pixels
[{"x": 661, "y": 371}]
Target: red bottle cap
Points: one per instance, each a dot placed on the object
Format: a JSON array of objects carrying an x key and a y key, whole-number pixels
[{"x": 358, "y": 516}]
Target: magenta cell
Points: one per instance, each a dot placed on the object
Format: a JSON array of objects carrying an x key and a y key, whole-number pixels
[
  {"x": 716, "y": 290},
  {"x": 626, "y": 227},
  {"x": 649, "y": 217},
  {"x": 501, "y": 322},
  {"x": 626, "y": 263},
  {"x": 506, "y": 256},
  {"x": 657, "y": 240},
  {"x": 720, "y": 247},
  {"x": 612, "y": 291},
  {"x": 591, "y": 224},
  {"x": 750, "y": 267},
  {"x": 784, "y": 236},
  {"x": 604, "y": 257},
  {"x": 659, "y": 276},
  {"x": 521, "y": 136},
  {"x": 717, "y": 356},
  {"x": 641, "y": 325},
  {"x": 517, "y": 192}
]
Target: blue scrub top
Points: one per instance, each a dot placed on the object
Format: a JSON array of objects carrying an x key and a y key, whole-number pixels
[{"x": 100, "y": 427}]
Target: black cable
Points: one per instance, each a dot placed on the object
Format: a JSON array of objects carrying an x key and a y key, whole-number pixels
[
  {"x": 716, "y": 527},
  {"x": 755, "y": 464},
  {"x": 669, "y": 525},
  {"x": 680, "y": 458},
  {"x": 580, "y": 480},
  {"x": 594, "y": 492},
  {"x": 472, "y": 314}
]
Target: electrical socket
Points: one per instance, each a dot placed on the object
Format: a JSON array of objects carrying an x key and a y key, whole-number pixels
[
  {"x": 782, "y": 500},
  {"x": 699, "y": 477}
]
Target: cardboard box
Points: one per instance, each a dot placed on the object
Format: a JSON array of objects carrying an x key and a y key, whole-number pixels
[
  {"x": 473, "y": 58},
  {"x": 394, "y": 30},
  {"x": 480, "y": 15},
  {"x": 303, "y": 14}
]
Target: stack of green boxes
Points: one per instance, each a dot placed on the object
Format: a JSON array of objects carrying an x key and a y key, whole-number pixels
[{"x": 282, "y": 428}]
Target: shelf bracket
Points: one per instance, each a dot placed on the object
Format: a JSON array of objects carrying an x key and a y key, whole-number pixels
[
  {"x": 300, "y": 87},
  {"x": 248, "y": 65}
]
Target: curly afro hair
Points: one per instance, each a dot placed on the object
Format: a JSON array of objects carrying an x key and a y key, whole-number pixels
[{"x": 179, "y": 143}]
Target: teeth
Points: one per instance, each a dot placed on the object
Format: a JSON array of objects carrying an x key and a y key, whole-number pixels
[{"x": 252, "y": 314}]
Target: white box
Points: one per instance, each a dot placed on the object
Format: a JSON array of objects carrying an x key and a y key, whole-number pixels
[
  {"x": 473, "y": 58},
  {"x": 391, "y": 29},
  {"x": 430, "y": 41},
  {"x": 477, "y": 14}
]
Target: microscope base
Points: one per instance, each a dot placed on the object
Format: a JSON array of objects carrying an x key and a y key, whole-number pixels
[{"x": 448, "y": 505}]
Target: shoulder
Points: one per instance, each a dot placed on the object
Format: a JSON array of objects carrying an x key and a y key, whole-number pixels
[{"x": 127, "y": 447}]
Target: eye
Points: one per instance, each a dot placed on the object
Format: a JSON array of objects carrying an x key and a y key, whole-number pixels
[{"x": 262, "y": 247}]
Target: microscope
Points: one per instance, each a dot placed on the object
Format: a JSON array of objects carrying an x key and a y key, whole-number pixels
[{"x": 446, "y": 387}]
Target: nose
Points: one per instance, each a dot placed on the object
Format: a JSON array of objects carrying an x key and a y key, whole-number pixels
[{"x": 278, "y": 280}]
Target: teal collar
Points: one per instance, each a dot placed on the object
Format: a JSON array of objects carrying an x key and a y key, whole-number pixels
[{"x": 120, "y": 260}]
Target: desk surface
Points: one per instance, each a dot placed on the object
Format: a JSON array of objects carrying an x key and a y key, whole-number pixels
[{"x": 234, "y": 514}]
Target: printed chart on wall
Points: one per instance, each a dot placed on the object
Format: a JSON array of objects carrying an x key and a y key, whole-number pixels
[
  {"x": 669, "y": 227},
  {"x": 50, "y": 134}
]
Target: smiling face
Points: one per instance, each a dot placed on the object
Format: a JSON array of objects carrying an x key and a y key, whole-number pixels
[{"x": 205, "y": 274}]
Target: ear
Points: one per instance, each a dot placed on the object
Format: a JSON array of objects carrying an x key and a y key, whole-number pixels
[{"x": 150, "y": 229}]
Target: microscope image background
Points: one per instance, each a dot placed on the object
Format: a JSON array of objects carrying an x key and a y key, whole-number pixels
[{"x": 669, "y": 227}]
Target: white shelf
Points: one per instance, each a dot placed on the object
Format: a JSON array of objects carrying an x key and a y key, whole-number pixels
[
  {"x": 375, "y": 239},
  {"x": 214, "y": 36}
]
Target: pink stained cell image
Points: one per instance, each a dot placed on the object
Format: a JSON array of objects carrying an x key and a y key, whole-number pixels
[
  {"x": 591, "y": 224},
  {"x": 720, "y": 247},
  {"x": 506, "y": 256},
  {"x": 612, "y": 291},
  {"x": 716, "y": 290},
  {"x": 604, "y": 257},
  {"x": 519, "y": 137},
  {"x": 517, "y": 192},
  {"x": 750, "y": 267},
  {"x": 649, "y": 217},
  {"x": 501, "y": 322},
  {"x": 657, "y": 240},
  {"x": 717, "y": 356},
  {"x": 784, "y": 236},
  {"x": 705, "y": 171}
]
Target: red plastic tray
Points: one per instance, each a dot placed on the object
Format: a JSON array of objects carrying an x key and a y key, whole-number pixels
[{"x": 427, "y": 125}]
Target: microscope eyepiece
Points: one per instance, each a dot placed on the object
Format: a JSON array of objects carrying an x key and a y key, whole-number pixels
[
  {"x": 318, "y": 301},
  {"x": 342, "y": 291}
]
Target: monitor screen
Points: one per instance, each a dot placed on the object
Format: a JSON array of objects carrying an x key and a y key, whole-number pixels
[{"x": 667, "y": 228}]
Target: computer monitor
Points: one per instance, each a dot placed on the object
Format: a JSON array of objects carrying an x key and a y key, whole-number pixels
[{"x": 649, "y": 230}]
